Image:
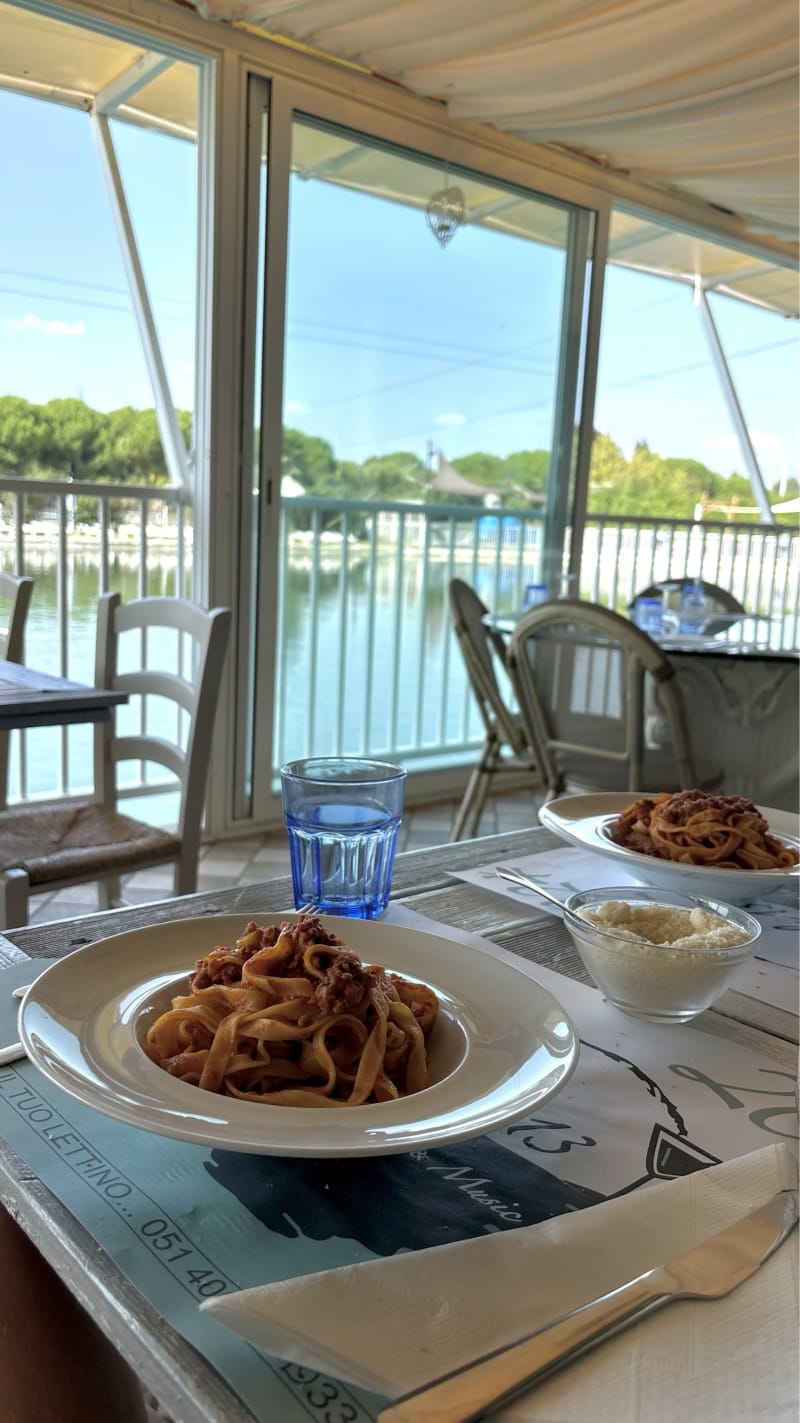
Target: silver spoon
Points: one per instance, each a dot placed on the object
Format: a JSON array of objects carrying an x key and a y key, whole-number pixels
[{"x": 517, "y": 877}]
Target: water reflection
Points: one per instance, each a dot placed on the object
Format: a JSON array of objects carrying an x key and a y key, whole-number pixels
[
  {"x": 59, "y": 759},
  {"x": 367, "y": 659}
]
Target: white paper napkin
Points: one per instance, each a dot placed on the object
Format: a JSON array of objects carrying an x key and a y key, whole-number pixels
[{"x": 392, "y": 1325}]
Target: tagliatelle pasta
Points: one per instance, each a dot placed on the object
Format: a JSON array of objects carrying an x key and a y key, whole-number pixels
[
  {"x": 728, "y": 832},
  {"x": 292, "y": 1017}
]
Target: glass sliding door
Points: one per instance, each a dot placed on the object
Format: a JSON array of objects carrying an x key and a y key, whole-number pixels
[{"x": 434, "y": 333}]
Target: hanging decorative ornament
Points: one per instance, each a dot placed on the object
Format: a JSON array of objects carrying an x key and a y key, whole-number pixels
[{"x": 445, "y": 213}]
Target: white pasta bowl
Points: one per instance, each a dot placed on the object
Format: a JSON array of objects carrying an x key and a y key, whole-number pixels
[
  {"x": 666, "y": 981},
  {"x": 587, "y": 821},
  {"x": 502, "y": 1045}
]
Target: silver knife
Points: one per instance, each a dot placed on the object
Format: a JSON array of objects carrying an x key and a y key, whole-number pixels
[{"x": 709, "y": 1271}]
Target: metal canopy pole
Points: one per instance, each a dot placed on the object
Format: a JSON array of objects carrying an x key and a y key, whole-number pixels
[
  {"x": 560, "y": 482},
  {"x": 588, "y": 393},
  {"x": 175, "y": 455},
  {"x": 734, "y": 408}
]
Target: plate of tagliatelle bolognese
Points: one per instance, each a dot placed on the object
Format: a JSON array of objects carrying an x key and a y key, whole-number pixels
[
  {"x": 713, "y": 846},
  {"x": 298, "y": 1035}
]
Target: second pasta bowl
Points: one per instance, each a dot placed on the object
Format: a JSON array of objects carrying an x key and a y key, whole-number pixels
[{"x": 586, "y": 821}]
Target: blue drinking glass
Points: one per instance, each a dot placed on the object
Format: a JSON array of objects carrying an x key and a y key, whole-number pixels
[{"x": 342, "y": 815}]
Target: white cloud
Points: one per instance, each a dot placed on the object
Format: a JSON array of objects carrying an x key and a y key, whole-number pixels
[
  {"x": 725, "y": 443},
  {"x": 451, "y": 418},
  {"x": 296, "y": 407},
  {"x": 768, "y": 441},
  {"x": 49, "y": 328}
]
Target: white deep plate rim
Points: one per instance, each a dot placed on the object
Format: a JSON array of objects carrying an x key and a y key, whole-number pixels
[
  {"x": 583, "y": 820},
  {"x": 77, "y": 1025}
]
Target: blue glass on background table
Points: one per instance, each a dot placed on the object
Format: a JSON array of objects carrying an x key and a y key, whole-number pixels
[
  {"x": 535, "y": 595},
  {"x": 693, "y": 610},
  {"x": 342, "y": 816},
  {"x": 648, "y": 614}
]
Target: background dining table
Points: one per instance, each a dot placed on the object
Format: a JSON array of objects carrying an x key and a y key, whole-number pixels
[
  {"x": 743, "y": 702},
  {"x": 186, "y": 1384},
  {"x": 30, "y": 698}
]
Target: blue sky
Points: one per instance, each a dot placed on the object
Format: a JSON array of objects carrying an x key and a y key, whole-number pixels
[{"x": 393, "y": 343}]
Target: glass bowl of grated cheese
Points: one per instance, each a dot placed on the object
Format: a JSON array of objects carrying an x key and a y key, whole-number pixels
[{"x": 659, "y": 956}]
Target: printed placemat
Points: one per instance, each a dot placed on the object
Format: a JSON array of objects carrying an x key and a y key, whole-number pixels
[{"x": 185, "y": 1222}]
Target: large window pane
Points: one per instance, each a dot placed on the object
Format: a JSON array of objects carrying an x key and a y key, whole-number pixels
[
  {"x": 78, "y": 405},
  {"x": 666, "y": 438},
  {"x": 696, "y": 444},
  {"x": 419, "y": 376},
  {"x": 396, "y": 343},
  {"x": 159, "y": 171}
]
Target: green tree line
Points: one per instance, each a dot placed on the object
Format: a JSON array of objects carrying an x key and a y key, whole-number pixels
[
  {"x": 68, "y": 439},
  {"x": 644, "y": 486}
]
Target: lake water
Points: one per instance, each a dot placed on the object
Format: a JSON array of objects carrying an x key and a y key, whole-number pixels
[
  {"x": 371, "y": 669},
  {"x": 379, "y": 675}
]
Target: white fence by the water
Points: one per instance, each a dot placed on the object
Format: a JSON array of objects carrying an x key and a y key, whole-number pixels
[
  {"x": 367, "y": 663},
  {"x": 758, "y": 563}
]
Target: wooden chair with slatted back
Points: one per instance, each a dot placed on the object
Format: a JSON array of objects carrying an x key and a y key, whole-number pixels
[{"x": 168, "y": 655}]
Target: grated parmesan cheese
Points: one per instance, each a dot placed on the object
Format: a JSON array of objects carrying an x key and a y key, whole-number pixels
[{"x": 661, "y": 925}]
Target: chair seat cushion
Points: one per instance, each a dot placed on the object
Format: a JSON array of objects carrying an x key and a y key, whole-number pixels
[{"x": 55, "y": 842}]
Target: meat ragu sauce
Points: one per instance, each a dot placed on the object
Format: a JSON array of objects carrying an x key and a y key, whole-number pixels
[
  {"x": 290, "y": 1016},
  {"x": 693, "y": 828}
]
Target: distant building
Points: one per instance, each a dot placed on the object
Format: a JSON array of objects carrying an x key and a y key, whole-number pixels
[{"x": 447, "y": 480}]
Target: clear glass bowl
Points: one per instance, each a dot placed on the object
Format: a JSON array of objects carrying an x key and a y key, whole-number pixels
[{"x": 661, "y": 982}]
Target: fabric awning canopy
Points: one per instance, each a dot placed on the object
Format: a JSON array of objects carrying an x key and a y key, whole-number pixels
[
  {"x": 699, "y": 97},
  {"x": 728, "y": 157}
]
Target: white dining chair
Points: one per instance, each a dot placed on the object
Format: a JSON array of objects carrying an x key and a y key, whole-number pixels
[{"x": 168, "y": 655}]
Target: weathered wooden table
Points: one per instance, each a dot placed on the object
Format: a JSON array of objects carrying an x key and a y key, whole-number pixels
[
  {"x": 187, "y": 1386},
  {"x": 30, "y": 698}
]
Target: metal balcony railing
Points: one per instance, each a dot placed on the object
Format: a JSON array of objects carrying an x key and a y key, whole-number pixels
[
  {"x": 77, "y": 540},
  {"x": 758, "y": 563},
  {"x": 367, "y": 663}
]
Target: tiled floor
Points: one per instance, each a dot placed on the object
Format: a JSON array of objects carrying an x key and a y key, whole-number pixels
[{"x": 224, "y": 863}]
